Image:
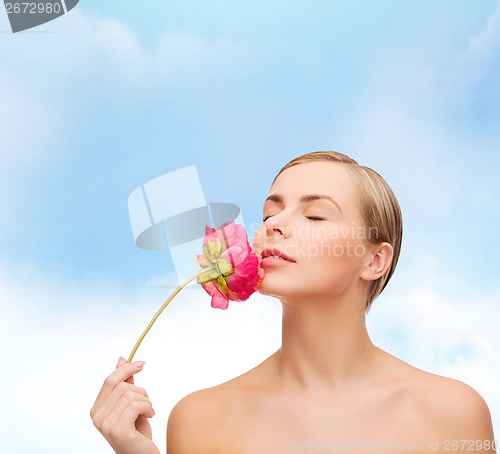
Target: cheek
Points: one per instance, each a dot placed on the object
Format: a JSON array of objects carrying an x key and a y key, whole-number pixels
[
  {"x": 332, "y": 255},
  {"x": 321, "y": 250},
  {"x": 258, "y": 238}
]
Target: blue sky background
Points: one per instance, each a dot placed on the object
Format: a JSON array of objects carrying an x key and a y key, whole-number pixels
[{"x": 112, "y": 95}]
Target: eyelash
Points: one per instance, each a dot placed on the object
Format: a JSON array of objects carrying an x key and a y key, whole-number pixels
[
  {"x": 311, "y": 218},
  {"x": 314, "y": 218}
]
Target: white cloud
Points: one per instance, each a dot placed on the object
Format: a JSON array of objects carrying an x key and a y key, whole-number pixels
[
  {"x": 29, "y": 136},
  {"x": 409, "y": 155},
  {"x": 420, "y": 120},
  {"x": 86, "y": 61},
  {"x": 180, "y": 55},
  {"x": 25, "y": 129},
  {"x": 470, "y": 85},
  {"x": 484, "y": 45},
  {"x": 83, "y": 47}
]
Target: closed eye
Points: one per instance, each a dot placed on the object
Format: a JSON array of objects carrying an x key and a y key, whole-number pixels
[{"x": 315, "y": 218}]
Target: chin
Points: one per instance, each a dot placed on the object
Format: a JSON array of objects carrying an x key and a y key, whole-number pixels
[
  {"x": 265, "y": 290},
  {"x": 268, "y": 289},
  {"x": 271, "y": 287}
]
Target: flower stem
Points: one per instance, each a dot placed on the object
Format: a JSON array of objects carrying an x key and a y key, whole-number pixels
[{"x": 165, "y": 304}]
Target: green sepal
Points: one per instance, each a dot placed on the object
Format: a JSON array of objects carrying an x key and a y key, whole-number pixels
[
  {"x": 222, "y": 285},
  {"x": 212, "y": 250},
  {"x": 208, "y": 276},
  {"x": 224, "y": 267}
]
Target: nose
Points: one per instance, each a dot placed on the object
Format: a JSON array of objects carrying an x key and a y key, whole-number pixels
[{"x": 275, "y": 228}]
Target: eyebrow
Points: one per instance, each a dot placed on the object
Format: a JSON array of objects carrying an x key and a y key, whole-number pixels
[{"x": 305, "y": 199}]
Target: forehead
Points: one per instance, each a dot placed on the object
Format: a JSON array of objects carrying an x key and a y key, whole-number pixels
[{"x": 321, "y": 177}]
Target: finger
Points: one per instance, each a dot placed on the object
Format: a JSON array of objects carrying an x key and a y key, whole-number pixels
[
  {"x": 122, "y": 374},
  {"x": 136, "y": 402},
  {"x": 131, "y": 412},
  {"x": 109, "y": 414},
  {"x": 121, "y": 390},
  {"x": 123, "y": 395},
  {"x": 121, "y": 362},
  {"x": 121, "y": 423}
]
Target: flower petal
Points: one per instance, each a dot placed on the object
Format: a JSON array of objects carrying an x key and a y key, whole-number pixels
[
  {"x": 219, "y": 300},
  {"x": 233, "y": 269}
]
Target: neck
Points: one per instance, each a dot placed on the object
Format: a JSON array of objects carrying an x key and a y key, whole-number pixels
[{"x": 325, "y": 344}]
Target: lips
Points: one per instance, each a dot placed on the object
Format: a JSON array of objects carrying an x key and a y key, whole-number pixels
[{"x": 276, "y": 254}]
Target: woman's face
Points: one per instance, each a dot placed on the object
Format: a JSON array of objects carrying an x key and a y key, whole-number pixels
[{"x": 312, "y": 220}]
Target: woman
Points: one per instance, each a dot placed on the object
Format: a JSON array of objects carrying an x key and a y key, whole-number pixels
[{"x": 330, "y": 241}]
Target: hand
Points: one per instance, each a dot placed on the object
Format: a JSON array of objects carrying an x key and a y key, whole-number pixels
[{"x": 121, "y": 410}]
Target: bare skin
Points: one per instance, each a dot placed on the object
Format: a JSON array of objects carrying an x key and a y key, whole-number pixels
[
  {"x": 328, "y": 386},
  {"x": 399, "y": 409}
]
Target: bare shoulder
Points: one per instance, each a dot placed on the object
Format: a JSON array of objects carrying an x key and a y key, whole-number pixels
[
  {"x": 442, "y": 406},
  {"x": 458, "y": 409},
  {"x": 201, "y": 422},
  {"x": 194, "y": 423}
]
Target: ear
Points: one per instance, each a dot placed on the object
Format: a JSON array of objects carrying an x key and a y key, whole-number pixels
[{"x": 378, "y": 261}]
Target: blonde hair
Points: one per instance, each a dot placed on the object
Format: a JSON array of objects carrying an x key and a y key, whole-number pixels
[{"x": 380, "y": 210}]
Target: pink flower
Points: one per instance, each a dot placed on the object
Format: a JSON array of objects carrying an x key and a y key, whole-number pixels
[{"x": 232, "y": 269}]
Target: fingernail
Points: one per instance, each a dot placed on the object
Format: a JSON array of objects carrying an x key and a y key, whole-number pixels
[
  {"x": 139, "y": 364},
  {"x": 119, "y": 359}
]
